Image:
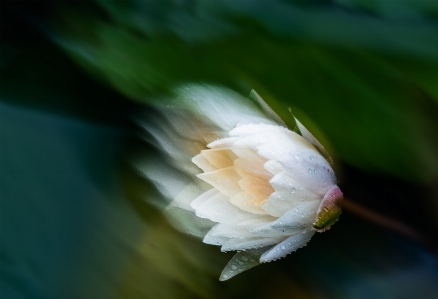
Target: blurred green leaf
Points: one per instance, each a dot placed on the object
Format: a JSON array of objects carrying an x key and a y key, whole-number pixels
[{"x": 365, "y": 81}]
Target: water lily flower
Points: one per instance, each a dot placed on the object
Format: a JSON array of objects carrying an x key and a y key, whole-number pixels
[{"x": 239, "y": 178}]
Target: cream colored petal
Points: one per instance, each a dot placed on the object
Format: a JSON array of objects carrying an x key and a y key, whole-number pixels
[
  {"x": 247, "y": 203},
  {"x": 219, "y": 158},
  {"x": 250, "y": 243},
  {"x": 257, "y": 187},
  {"x": 252, "y": 164},
  {"x": 202, "y": 162},
  {"x": 225, "y": 180},
  {"x": 219, "y": 209},
  {"x": 197, "y": 202},
  {"x": 287, "y": 246}
]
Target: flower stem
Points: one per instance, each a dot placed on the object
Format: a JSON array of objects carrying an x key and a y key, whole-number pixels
[{"x": 382, "y": 220}]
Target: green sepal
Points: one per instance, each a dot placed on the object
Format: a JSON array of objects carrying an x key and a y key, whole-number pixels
[{"x": 327, "y": 217}]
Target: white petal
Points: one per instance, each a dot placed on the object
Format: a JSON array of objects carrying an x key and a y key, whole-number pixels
[
  {"x": 240, "y": 262},
  {"x": 297, "y": 218},
  {"x": 224, "y": 142},
  {"x": 186, "y": 221},
  {"x": 309, "y": 169},
  {"x": 265, "y": 107},
  {"x": 309, "y": 137},
  {"x": 287, "y": 246},
  {"x": 192, "y": 191},
  {"x": 178, "y": 148},
  {"x": 277, "y": 146},
  {"x": 292, "y": 222},
  {"x": 273, "y": 167},
  {"x": 168, "y": 180},
  {"x": 222, "y": 107},
  {"x": 288, "y": 194},
  {"x": 250, "y": 243},
  {"x": 225, "y": 180},
  {"x": 190, "y": 124},
  {"x": 251, "y": 129},
  {"x": 267, "y": 231},
  {"x": 197, "y": 202},
  {"x": 212, "y": 239},
  {"x": 219, "y": 209},
  {"x": 231, "y": 231}
]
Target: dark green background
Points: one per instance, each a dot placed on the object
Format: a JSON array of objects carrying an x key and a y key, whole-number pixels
[{"x": 75, "y": 222}]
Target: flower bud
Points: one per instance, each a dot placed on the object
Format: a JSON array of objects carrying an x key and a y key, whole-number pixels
[{"x": 263, "y": 189}]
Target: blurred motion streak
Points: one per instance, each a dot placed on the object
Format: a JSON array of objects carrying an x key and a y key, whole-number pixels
[{"x": 78, "y": 221}]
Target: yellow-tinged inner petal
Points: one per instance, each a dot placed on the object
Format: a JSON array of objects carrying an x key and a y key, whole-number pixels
[
  {"x": 202, "y": 162},
  {"x": 224, "y": 180},
  {"x": 243, "y": 201},
  {"x": 220, "y": 158}
]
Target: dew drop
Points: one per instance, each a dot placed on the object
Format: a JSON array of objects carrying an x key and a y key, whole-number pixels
[
  {"x": 293, "y": 190},
  {"x": 325, "y": 210},
  {"x": 283, "y": 247},
  {"x": 244, "y": 258},
  {"x": 234, "y": 267},
  {"x": 296, "y": 209},
  {"x": 225, "y": 276},
  {"x": 312, "y": 158}
]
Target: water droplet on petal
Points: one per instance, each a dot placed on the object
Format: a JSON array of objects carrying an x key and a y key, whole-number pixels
[
  {"x": 293, "y": 190},
  {"x": 283, "y": 247},
  {"x": 244, "y": 258},
  {"x": 296, "y": 209},
  {"x": 234, "y": 267},
  {"x": 225, "y": 276}
]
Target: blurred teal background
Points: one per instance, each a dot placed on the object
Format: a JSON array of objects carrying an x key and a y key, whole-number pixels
[{"x": 74, "y": 216}]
